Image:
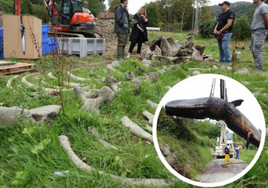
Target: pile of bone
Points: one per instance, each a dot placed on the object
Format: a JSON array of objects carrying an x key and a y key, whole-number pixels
[{"x": 166, "y": 49}]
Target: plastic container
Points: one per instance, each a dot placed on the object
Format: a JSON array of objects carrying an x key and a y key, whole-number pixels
[
  {"x": 53, "y": 44},
  {"x": 81, "y": 46},
  {"x": 45, "y": 31},
  {"x": 45, "y": 48},
  {"x": 1, "y": 32}
]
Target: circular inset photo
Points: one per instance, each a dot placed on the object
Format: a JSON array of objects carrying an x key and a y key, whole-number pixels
[{"x": 209, "y": 130}]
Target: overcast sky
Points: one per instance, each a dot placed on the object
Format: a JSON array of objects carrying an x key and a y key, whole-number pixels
[{"x": 134, "y": 5}]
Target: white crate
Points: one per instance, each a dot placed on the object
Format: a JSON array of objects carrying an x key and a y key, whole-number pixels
[{"x": 82, "y": 46}]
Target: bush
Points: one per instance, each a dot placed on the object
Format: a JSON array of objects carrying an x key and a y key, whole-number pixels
[
  {"x": 206, "y": 28},
  {"x": 242, "y": 28}
]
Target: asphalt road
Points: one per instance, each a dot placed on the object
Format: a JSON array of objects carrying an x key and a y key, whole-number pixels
[{"x": 215, "y": 172}]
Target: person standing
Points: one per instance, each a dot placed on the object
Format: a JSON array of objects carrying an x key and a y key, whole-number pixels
[
  {"x": 139, "y": 32},
  {"x": 121, "y": 28},
  {"x": 227, "y": 155},
  {"x": 259, "y": 27},
  {"x": 237, "y": 152},
  {"x": 224, "y": 27}
]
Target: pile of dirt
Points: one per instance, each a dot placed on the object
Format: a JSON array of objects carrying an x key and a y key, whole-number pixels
[{"x": 106, "y": 30}]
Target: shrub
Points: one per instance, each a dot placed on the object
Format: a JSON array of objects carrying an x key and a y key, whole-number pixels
[
  {"x": 242, "y": 28},
  {"x": 206, "y": 28}
]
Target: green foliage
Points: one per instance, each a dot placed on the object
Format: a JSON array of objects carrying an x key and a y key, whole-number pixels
[
  {"x": 153, "y": 14},
  {"x": 206, "y": 28},
  {"x": 113, "y": 5},
  {"x": 95, "y": 6},
  {"x": 242, "y": 28}
]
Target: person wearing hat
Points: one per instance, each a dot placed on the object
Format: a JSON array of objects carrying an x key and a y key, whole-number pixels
[
  {"x": 259, "y": 27},
  {"x": 224, "y": 28}
]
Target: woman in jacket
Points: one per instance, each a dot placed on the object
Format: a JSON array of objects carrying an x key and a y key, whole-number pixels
[{"x": 139, "y": 32}]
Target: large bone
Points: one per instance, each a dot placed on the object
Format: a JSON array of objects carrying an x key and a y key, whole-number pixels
[
  {"x": 135, "y": 129},
  {"x": 65, "y": 144},
  {"x": 149, "y": 116},
  {"x": 105, "y": 94},
  {"x": 76, "y": 77},
  {"x": 9, "y": 82},
  {"x": 152, "y": 104},
  {"x": 112, "y": 83},
  {"x": 72, "y": 84},
  {"x": 48, "y": 91}
]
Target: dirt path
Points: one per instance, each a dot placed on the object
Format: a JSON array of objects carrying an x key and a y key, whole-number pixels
[{"x": 215, "y": 172}]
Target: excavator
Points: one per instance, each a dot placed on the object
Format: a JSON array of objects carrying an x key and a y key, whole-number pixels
[{"x": 67, "y": 18}]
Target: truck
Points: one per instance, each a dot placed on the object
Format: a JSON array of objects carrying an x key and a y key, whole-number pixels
[{"x": 226, "y": 139}]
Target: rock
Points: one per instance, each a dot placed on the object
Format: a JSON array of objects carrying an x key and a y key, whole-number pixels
[
  {"x": 156, "y": 42},
  {"x": 196, "y": 72},
  {"x": 157, "y": 51},
  {"x": 146, "y": 53},
  {"x": 9, "y": 116},
  {"x": 196, "y": 56},
  {"x": 243, "y": 71},
  {"x": 137, "y": 82},
  {"x": 245, "y": 82},
  {"x": 45, "y": 113},
  {"x": 161, "y": 72},
  {"x": 168, "y": 87},
  {"x": 140, "y": 70},
  {"x": 166, "y": 59},
  {"x": 201, "y": 49},
  {"x": 256, "y": 93},
  {"x": 175, "y": 67},
  {"x": 167, "y": 49},
  {"x": 129, "y": 75},
  {"x": 111, "y": 82},
  {"x": 226, "y": 68},
  {"x": 215, "y": 67},
  {"x": 165, "y": 150},
  {"x": 153, "y": 77},
  {"x": 115, "y": 64},
  {"x": 147, "y": 63}
]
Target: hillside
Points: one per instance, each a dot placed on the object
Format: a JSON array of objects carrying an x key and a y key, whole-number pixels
[{"x": 240, "y": 9}]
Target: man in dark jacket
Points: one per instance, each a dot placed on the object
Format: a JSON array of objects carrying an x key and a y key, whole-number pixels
[{"x": 121, "y": 26}]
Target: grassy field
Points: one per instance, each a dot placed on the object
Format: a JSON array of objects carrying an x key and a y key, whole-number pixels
[{"x": 21, "y": 167}]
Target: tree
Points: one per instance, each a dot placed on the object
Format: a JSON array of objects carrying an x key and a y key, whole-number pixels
[
  {"x": 113, "y": 4},
  {"x": 95, "y": 6},
  {"x": 182, "y": 10},
  {"x": 153, "y": 14},
  {"x": 242, "y": 28}
]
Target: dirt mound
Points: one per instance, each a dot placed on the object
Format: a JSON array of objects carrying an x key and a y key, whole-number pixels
[{"x": 106, "y": 30}]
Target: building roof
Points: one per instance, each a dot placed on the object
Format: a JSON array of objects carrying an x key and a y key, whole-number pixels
[
  {"x": 239, "y": 143},
  {"x": 106, "y": 15}
]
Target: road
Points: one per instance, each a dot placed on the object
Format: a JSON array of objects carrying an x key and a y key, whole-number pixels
[{"x": 215, "y": 172}]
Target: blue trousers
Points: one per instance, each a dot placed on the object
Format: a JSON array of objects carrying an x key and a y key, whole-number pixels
[
  {"x": 225, "y": 56},
  {"x": 237, "y": 155}
]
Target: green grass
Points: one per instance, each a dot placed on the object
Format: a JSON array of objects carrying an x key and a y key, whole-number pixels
[
  {"x": 247, "y": 155},
  {"x": 20, "y": 167}
]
